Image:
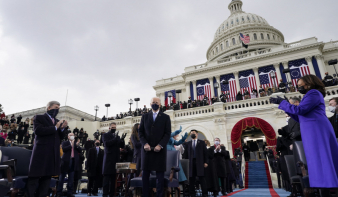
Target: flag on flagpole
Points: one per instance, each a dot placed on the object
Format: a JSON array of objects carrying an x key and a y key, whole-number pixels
[
  {"x": 298, "y": 68},
  {"x": 265, "y": 77},
  {"x": 245, "y": 40},
  {"x": 230, "y": 88}
]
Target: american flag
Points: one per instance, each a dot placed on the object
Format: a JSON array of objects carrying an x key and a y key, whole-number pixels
[
  {"x": 229, "y": 88},
  {"x": 203, "y": 87},
  {"x": 247, "y": 81},
  {"x": 265, "y": 76},
  {"x": 298, "y": 68},
  {"x": 167, "y": 99},
  {"x": 244, "y": 38}
]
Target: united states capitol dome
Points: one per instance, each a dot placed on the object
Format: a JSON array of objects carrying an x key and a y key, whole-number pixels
[{"x": 227, "y": 41}]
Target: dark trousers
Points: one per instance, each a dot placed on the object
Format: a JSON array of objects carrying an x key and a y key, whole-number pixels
[
  {"x": 192, "y": 181},
  {"x": 93, "y": 184},
  {"x": 70, "y": 180},
  {"x": 40, "y": 185},
  {"x": 228, "y": 184},
  {"x": 223, "y": 185},
  {"x": 109, "y": 185},
  {"x": 278, "y": 177},
  {"x": 146, "y": 184},
  {"x": 247, "y": 156}
]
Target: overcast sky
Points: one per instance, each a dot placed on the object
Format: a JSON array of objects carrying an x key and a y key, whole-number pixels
[{"x": 110, "y": 51}]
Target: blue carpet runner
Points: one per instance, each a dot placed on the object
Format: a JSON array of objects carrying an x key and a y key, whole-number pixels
[{"x": 257, "y": 175}]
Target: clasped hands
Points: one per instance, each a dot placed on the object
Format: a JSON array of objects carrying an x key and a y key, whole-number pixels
[
  {"x": 156, "y": 149},
  {"x": 63, "y": 122}
]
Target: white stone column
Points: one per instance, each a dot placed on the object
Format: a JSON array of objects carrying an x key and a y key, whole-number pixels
[
  {"x": 237, "y": 81},
  {"x": 219, "y": 90},
  {"x": 321, "y": 65},
  {"x": 279, "y": 75},
  {"x": 187, "y": 90},
  {"x": 257, "y": 78},
  {"x": 287, "y": 75},
  {"x": 195, "y": 91},
  {"x": 309, "y": 63},
  {"x": 211, "y": 79}
]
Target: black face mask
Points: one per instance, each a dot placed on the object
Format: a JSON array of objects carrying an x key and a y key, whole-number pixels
[
  {"x": 302, "y": 90},
  {"x": 112, "y": 130},
  {"x": 97, "y": 144},
  {"x": 193, "y": 136},
  {"x": 53, "y": 112},
  {"x": 155, "y": 106}
]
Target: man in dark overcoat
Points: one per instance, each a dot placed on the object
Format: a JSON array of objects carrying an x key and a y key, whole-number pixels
[
  {"x": 154, "y": 133},
  {"x": 198, "y": 161},
  {"x": 112, "y": 144},
  {"x": 45, "y": 159},
  {"x": 94, "y": 168},
  {"x": 219, "y": 160},
  {"x": 69, "y": 164}
]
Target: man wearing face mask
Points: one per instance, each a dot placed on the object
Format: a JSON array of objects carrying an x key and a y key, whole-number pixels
[
  {"x": 154, "y": 133},
  {"x": 198, "y": 161},
  {"x": 219, "y": 160},
  {"x": 94, "y": 168},
  {"x": 333, "y": 103},
  {"x": 45, "y": 159},
  {"x": 69, "y": 163},
  {"x": 112, "y": 144}
]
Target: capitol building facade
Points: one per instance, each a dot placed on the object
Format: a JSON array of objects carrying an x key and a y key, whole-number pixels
[{"x": 228, "y": 60}]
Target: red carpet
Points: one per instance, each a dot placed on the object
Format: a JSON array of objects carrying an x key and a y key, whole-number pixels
[
  {"x": 268, "y": 174},
  {"x": 235, "y": 192}
]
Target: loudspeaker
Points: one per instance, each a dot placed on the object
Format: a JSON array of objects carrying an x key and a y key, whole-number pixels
[
  {"x": 178, "y": 91},
  {"x": 332, "y": 62},
  {"x": 107, "y": 105},
  {"x": 136, "y": 99},
  {"x": 286, "y": 70}
]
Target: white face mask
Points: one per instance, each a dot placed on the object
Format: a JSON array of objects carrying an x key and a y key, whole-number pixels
[
  {"x": 332, "y": 109},
  {"x": 216, "y": 143},
  {"x": 287, "y": 119},
  {"x": 71, "y": 138}
]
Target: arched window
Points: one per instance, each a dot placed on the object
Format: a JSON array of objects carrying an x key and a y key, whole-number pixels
[
  {"x": 216, "y": 50},
  {"x": 248, "y": 18},
  {"x": 223, "y": 27},
  {"x": 242, "y": 19},
  {"x": 268, "y": 36},
  {"x": 258, "y": 19},
  {"x": 233, "y": 41},
  {"x": 232, "y": 22},
  {"x": 237, "y": 20},
  {"x": 273, "y": 36},
  {"x": 227, "y": 44},
  {"x": 221, "y": 46},
  {"x": 227, "y": 25},
  {"x": 255, "y": 36},
  {"x": 262, "y": 36},
  {"x": 253, "y": 18}
]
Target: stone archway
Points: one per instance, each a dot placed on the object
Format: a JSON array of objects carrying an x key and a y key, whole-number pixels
[
  {"x": 200, "y": 129},
  {"x": 252, "y": 122}
]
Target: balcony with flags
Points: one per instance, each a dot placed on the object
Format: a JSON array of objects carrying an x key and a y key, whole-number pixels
[
  {"x": 230, "y": 88},
  {"x": 247, "y": 81},
  {"x": 167, "y": 98},
  {"x": 203, "y": 87},
  {"x": 298, "y": 68},
  {"x": 265, "y": 76}
]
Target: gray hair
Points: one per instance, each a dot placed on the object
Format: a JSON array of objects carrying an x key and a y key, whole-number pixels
[
  {"x": 112, "y": 123},
  {"x": 51, "y": 103},
  {"x": 295, "y": 99},
  {"x": 217, "y": 138},
  {"x": 151, "y": 100}
]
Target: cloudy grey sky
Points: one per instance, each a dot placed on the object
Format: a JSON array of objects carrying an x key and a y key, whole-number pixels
[{"x": 110, "y": 51}]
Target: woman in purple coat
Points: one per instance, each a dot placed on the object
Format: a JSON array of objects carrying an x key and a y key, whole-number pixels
[{"x": 319, "y": 140}]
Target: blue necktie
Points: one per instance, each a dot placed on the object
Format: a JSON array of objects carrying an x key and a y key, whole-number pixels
[{"x": 154, "y": 116}]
